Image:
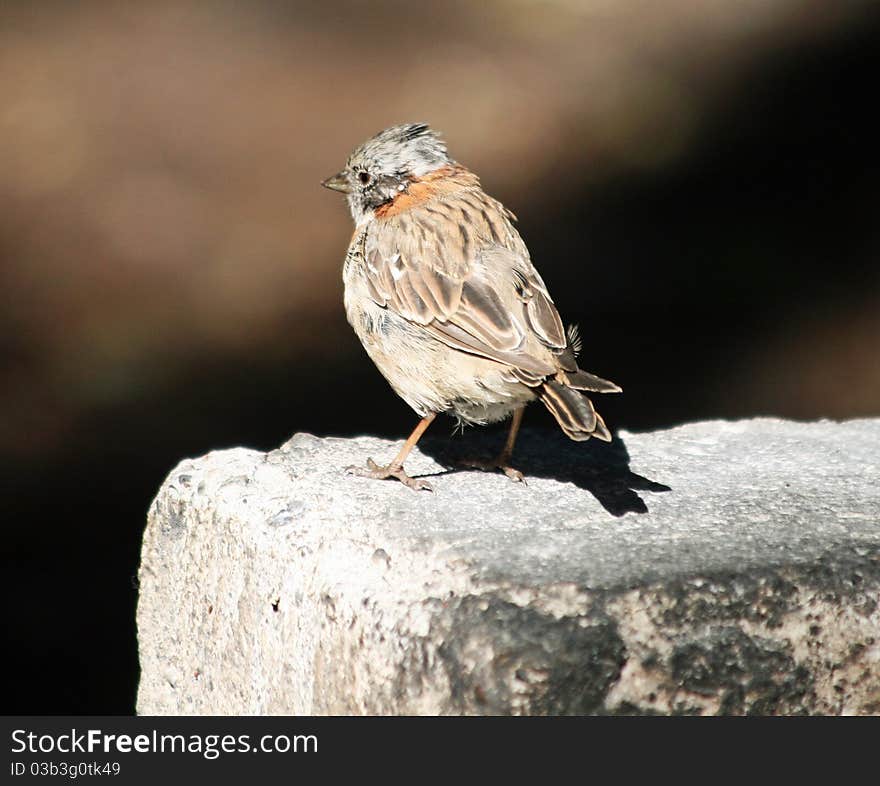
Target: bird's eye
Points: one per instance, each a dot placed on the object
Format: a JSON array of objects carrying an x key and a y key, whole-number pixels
[{"x": 364, "y": 177}]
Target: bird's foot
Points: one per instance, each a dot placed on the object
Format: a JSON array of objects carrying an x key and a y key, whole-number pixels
[
  {"x": 373, "y": 470},
  {"x": 490, "y": 466}
]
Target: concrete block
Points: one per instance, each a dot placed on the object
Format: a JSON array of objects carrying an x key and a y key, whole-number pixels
[{"x": 718, "y": 567}]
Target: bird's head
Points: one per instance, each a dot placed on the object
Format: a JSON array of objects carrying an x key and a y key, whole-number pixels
[{"x": 384, "y": 166}]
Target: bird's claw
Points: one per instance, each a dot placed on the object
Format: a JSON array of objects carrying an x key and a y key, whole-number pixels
[
  {"x": 490, "y": 466},
  {"x": 373, "y": 470}
]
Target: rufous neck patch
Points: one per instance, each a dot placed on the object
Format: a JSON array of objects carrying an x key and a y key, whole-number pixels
[{"x": 446, "y": 180}]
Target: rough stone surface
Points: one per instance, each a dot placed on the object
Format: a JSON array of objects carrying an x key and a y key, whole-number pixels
[{"x": 718, "y": 567}]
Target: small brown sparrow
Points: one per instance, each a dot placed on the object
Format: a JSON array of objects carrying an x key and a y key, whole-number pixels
[{"x": 440, "y": 289}]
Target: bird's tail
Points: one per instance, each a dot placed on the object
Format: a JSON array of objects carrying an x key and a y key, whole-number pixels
[
  {"x": 573, "y": 411},
  {"x": 584, "y": 380}
]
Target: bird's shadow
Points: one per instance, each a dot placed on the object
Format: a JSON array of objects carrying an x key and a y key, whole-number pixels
[{"x": 598, "y": 467}]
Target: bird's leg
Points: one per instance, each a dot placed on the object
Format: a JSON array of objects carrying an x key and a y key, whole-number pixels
[
  {"x": 502, "y": 462},
  {"x": 395, "y": 468}
]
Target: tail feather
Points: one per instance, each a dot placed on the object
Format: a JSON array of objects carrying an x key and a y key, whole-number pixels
[
  {"x": 573, "y": 411},
  {"x": 584, "y": 380}
]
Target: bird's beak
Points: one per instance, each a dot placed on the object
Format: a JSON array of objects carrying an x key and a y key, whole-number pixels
[{"x": 338, "y": 183}]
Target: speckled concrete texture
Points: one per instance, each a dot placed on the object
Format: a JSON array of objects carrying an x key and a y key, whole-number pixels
[{"x": 717, "y": 567}]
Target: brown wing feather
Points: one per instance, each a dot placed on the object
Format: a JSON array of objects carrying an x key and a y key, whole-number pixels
[
  {"x": 544, "y": 320},
  {"x": 458, "y": 267}
]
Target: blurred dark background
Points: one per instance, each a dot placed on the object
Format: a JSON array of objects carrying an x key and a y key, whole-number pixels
[{"x": 697, "y": 182}]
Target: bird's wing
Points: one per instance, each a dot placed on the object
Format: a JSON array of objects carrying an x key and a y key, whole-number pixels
[{"x": 463, "y": 273}]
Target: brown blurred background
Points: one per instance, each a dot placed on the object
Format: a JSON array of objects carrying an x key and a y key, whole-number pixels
[{"x": 697, "y": 181}]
